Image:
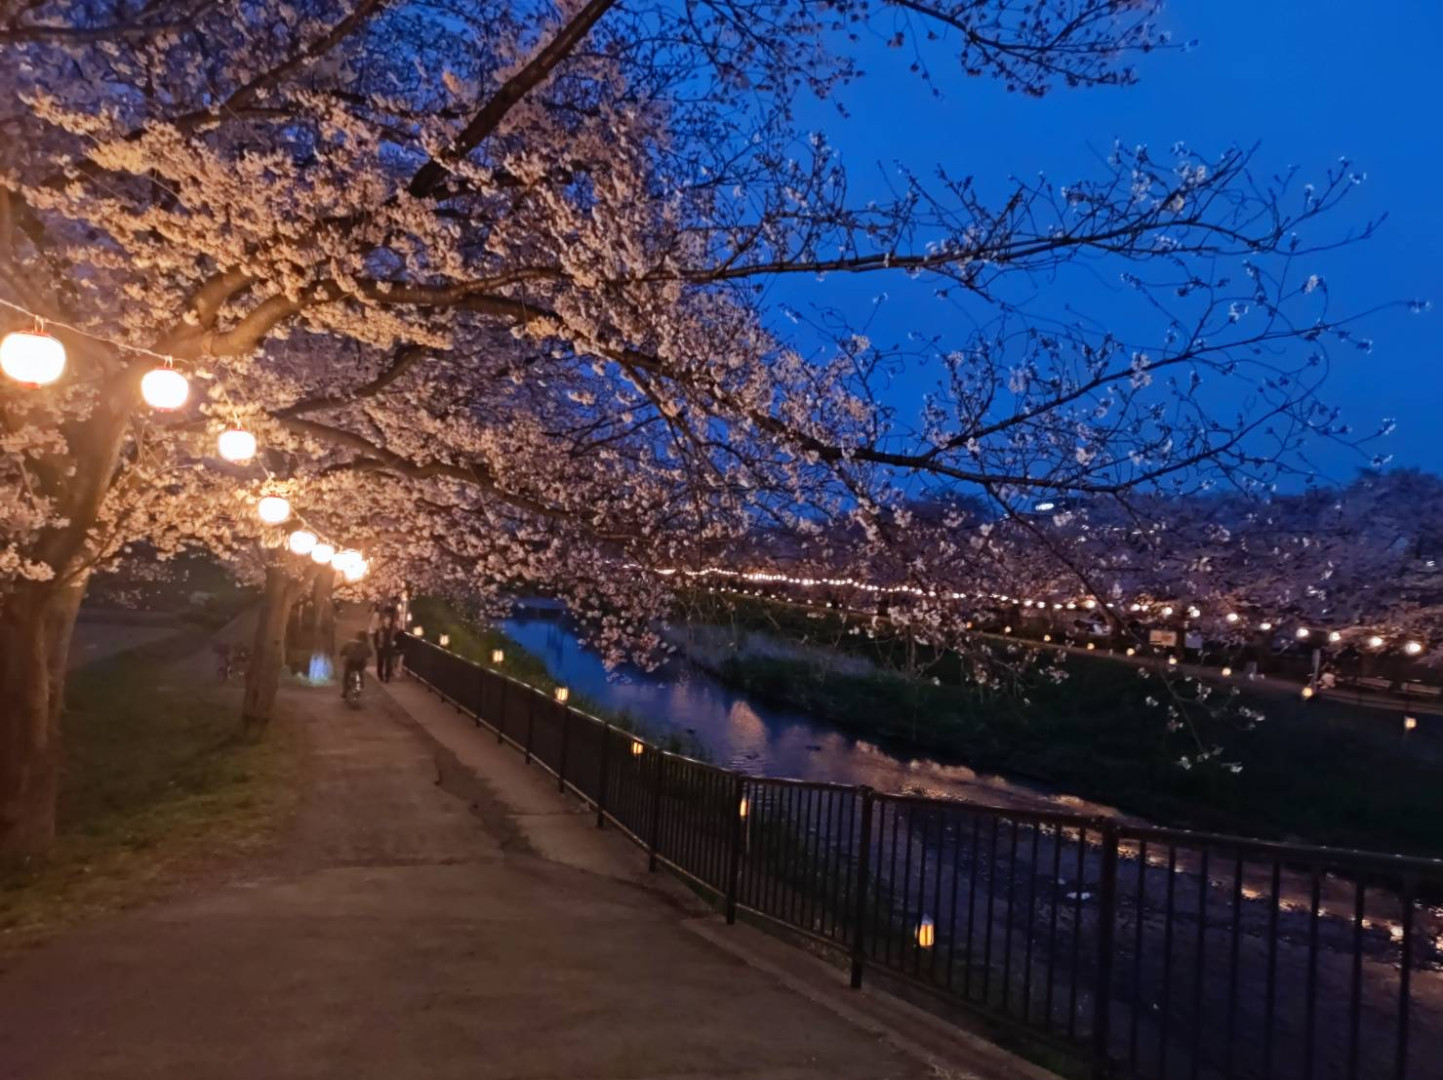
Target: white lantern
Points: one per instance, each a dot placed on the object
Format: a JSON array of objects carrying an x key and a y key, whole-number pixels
[
  {"x": 274, "y": 509},
  {"x": 1335, "y": 637},
  {"x": 303, "y": 541},
  {"x": 322, "y": 553},
  {"x": 1375, "y": 642},
  {"x": 1232, "y": 616},
  {"x": 418, "y": 630},
  {"x": 444, "y": 640},
  {"x": 164, "y": 388},
  {"x": 235, "y": 444},
  {"x": 497, "y": 656},
  {"x": 1413, "y": 648},
  {"x": 355, "y": 569},
  {"x": 32, "y": 359},
  {"x": 562, "y": 694},
  {"x": 1303, "y": 633},
  {"x": 345, "y": 558}
]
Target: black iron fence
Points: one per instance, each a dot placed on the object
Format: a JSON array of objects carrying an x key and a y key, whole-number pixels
[{"x": 1150, "y": 953}]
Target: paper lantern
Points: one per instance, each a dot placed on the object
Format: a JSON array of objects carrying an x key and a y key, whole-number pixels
[
  {"x": 164, "y": 388},
  {"x": 926, "y": 933},
  {"x": 273, "y": 509},
  {"x": 563, "y": 694},
  {"x": 497, "y": 656},
  {"x": 1375, "y": 642},
  {"x": 303, "y": 541},
  {"x": 1307, "y": 692},
  {"x": 323, "y": 553},
  {"x": 418, "y": 630},
  {"x": 32, "y": 358},
  {"x": 637, "y": 748},
  {"x": 445, "y": 640},
  {"x": 1413, "y": 648},
  {"x": 235, "y": 444},
  {"x": 355, "y": 569}
]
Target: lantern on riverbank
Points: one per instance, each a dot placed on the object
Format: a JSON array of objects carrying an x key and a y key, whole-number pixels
[
  {"x": 563, "y": 695},
  {"x": 498, "y": 657},
  {"x": 35, "y": 359},
  {"x": 926, "y": 933},
  {"x": 418, "y": 630},
  {"x": 743, "y": 807},
  {"x": 637, "y": 749},
  {"x": 444, "y": 640}
]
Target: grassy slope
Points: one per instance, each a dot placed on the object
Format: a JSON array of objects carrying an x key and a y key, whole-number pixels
[
  {"x": 156, "y": 785},
  {"x": 1307, "y": 773},
  {"x": 474, "y": 642}
]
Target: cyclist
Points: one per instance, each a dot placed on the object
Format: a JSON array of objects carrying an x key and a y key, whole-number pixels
[{"x": 355, "y": 654}]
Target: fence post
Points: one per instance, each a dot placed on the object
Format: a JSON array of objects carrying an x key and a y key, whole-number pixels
[
  {"x": 864, "y": 871},
  {"x": 655, "y": 823},
  {"x": 565, "y": 749},
  {"x": 734, "y": 854},
  {"x": 501, "y": 712},
  {"x": 530, "y": 722},
  {"x": 1106, "y": 921},
  {"x": 605, "y": 776}
]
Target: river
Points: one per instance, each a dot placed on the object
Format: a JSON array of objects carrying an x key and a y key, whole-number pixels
[{"x": 741, "y": 733}]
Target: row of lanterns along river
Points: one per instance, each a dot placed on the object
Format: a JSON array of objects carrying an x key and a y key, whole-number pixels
[{"x": 36, "y": 359}]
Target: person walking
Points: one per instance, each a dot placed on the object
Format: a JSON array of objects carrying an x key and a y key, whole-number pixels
[{"x": 386, "y": 645}]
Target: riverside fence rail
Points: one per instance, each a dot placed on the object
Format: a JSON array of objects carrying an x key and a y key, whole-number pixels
[{"x": 1142, "y": 952}]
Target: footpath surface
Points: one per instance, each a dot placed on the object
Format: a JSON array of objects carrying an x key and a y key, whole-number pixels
[{"x": 441, "y": 912}]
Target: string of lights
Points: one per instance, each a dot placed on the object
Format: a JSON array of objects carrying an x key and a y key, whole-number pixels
[{"x": 35, "y": 359}]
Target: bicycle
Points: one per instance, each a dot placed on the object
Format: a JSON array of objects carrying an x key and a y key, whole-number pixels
[{"x": 352, "y": 692}]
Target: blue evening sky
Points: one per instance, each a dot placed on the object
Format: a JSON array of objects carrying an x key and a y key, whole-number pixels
[{"x": 1308, "y": 79}]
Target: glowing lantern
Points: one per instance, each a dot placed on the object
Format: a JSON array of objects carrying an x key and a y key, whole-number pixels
[
  {"x": 1172, "y": 661},
  {"x": 637, "y": 749},
  {"x": 355, "y": 569},
  {"x": 445, "y": 640},
  {"x": 346, "y": 559},
  {"x": 164, "y": 388},
  {"x": 273, "y": 509},
  {"x": 1375, "y": 642},
  {"x": 1091, "y": 646},
  {"x": 1410, "y": 723},
  {"x": 1232, "y": 616},
  {"x": 497, "y": 656},
  {"x": 1413, "y": 648},
  {"x": 1302, "y": 633},
  {"x": 235, "y": 444},
  {"x": 1307, "y": 692},
  {"x": 1167, "y": 610},
  {"x": 32, "y": 358},
  {"x": 418, "y": 630},
  {"x": 926, "y": 933},
  {"x": 1131, "y": 651},
  {"x": 303, "y": 541},
  {"x": 562, "y": 694},
  {"x": 1046, "y": 637},
  {"x": 743, "y": 807},
  {"x": 1227, "y": 672},
  {"x": 322, "y": 553},
  {"x": 1335, "y": 637},
  {"x": 1265, "y": 626},
  {"x": 1193, "y": 613}
]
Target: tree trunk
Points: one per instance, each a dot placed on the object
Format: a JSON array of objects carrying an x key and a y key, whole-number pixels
[
  {"x": 322, "y": 625},
  {"x": 35, "y": 626},
  {"x": 268, "y": 650}
]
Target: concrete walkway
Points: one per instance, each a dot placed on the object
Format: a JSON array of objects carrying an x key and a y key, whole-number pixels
[{"x": 441, "y": 912}]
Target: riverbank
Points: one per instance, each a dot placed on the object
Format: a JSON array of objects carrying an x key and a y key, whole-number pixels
[{"x": 1306, "y": 773}]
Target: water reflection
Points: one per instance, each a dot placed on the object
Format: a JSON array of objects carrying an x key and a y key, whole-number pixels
[{"x": 744, "y": 734}]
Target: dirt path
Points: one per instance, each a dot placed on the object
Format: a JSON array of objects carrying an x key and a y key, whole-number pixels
[{"x": 409, "y": 928}]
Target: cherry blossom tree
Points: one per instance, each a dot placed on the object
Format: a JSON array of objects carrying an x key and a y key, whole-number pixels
[{"x": 487, "y": 284}]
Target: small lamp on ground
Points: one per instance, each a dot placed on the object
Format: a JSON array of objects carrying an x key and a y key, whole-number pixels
[
  {"x": 637, "y": 748},
  {"x": 1308, "y": 692},
  {"x": 563, "y": 694},
  {"x": 498, "y": 657},
  {"x": 444, "y": 640},
  {"x": 926, "y": 933}
]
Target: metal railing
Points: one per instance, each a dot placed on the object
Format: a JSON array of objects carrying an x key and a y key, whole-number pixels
[{"x": 1148, "y": 953}]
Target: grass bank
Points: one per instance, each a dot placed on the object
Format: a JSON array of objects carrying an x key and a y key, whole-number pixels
[
  {"x": 156, "y": 787},
  {"x": 473, "y": 640},
  {"x": 1308, "y": 773}
]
